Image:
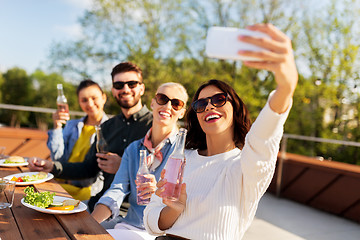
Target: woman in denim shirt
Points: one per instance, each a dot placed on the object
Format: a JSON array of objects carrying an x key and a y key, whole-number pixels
[
  {"x": 72, "y": 143},
  {"x": 168, "y": 106}
]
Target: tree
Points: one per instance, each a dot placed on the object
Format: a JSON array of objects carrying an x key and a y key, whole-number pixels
[
  {"x": 17, "y": 89},
  {"x": 167, "y": 39}
]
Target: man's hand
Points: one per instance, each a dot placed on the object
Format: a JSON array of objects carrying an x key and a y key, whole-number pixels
[
  {"x": 40, "y": 165},
  {"x": 108, "y": 162}
]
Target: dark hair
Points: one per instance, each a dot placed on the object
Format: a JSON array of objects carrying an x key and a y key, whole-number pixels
[
  {"x": 196, "y": 138},
  {"x": 87, "y": 83},
  {"x": 126, "y": 67}
]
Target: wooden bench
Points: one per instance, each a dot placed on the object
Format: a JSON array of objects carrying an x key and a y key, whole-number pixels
[{"x": 24, "y": 142}]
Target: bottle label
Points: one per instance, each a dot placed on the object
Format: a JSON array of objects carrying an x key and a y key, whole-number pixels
[{"x": 173, "y": 167}]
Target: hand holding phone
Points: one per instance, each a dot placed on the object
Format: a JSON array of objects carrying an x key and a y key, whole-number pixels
[{"x": 223, "y": 43}]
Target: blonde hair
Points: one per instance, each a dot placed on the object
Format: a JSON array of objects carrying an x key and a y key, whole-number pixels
[{"x": 178, "y": 86}]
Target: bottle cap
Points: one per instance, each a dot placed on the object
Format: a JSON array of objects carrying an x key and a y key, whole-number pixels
[{"x": 59, "y": 86}]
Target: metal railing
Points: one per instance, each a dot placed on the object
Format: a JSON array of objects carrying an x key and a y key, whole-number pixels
[{"x": 36, "y": 109}]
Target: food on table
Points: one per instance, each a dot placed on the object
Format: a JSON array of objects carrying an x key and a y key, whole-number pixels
[
  {"x": 41, "y": 200},
  {"x": 46, "y": 200},
  {"x": 71, "y": 202},
  {"x": 14, "y": 159},
  {"x": 63, "y": 208},
  {"x": 30, "y": 177}
]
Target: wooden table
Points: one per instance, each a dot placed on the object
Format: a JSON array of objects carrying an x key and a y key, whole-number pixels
[{"x": 21, "y": 222}]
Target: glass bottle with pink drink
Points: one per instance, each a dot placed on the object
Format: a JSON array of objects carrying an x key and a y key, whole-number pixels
[
  {"x": 174, "y": 168},
  {"x": 140, "y": 178},
  {"x": 61, "y": 100}
]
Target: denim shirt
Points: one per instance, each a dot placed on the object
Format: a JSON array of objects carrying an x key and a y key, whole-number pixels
[
  {"x": 124, "y": 182},
  {"x": 61, "y": 143}
]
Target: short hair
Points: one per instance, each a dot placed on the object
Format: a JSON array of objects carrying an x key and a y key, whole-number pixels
[
  {"x": 179, "y": 86},
  {"x": 87, "y": 83},
  {"x": 196, "y": 137},
  {"x": 126, "y": 67}
]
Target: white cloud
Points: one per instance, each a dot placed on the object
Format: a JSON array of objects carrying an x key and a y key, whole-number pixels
[{"x": 70, "y": 31}]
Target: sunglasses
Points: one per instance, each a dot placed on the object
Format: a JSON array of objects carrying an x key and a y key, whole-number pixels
[
  {"x": 120, "y": 85},
  {"x": 162, "y": 99},
  {"x": 217, "y": 100}
]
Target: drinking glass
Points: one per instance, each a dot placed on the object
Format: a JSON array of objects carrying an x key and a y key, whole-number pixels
[
  {"x": 7, "y": 189},
  {"x": 2, "y": 151}
]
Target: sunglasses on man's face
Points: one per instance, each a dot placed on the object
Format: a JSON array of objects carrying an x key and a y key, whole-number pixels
[
  {"x": 120, "y": 85},
  {"x": 162, "y": 99},
  {"x": 217, "y": 100}
]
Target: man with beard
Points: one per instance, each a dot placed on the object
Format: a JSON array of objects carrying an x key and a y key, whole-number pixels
[{"x": 131, "y": 124}]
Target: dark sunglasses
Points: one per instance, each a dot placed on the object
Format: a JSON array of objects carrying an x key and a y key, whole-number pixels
[
  {"x": 217, "y": 100},
  {"x": 120, "y": 85},
  {"x": 162, "y": 99}
]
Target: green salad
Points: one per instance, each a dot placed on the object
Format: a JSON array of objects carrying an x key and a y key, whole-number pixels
[{"x": 41, "y": 200}]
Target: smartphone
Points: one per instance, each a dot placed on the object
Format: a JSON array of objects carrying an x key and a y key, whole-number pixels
[{"x": 223, "y": 43}]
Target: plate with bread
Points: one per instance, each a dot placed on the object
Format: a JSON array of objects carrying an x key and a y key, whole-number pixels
[{"x": 13, "y": 161}]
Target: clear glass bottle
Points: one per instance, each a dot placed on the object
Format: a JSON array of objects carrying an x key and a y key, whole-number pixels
[
  {"x": 61, "y": 100},
  {"x": 101, "y": 144},
  {"x": 175, "y": 168},
  {"x": 143, "y": 170}
]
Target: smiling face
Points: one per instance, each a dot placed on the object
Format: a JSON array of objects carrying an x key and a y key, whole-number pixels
[
  {"x": 166, "y": 115},
  {"x": 128, "y": 97},
  {"x": 92, "y": 101},
  {"x": 215, "y": 120}
]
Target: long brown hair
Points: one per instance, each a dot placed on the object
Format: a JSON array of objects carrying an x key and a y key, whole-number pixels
[{"x": 196, "y": 138}]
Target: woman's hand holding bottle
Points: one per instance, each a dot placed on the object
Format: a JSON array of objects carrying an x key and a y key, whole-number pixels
[
  {"x": 60, "y": 118},
  {"x": 176, "y": 205},
  {"x": 62, "y": 114},
  {"x": 146, "y": 187}
]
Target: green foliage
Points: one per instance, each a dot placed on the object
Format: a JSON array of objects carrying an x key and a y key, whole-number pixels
[
  {"x": 167, "y": 38},
  {"x": 16, "y": 89}
]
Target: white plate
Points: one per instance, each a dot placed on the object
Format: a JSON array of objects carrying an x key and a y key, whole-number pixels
[
  {"x": 82, "y": 207},
  {"x": 9, "y": 177},
  {"x": 3, "y": 164}
]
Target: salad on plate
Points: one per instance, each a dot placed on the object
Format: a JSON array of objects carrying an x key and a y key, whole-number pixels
[
  {"x": 48, "y": 202},
  {"x": 30, "y": 178}
]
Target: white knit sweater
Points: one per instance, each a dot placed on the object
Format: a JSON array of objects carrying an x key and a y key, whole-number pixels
[{"x": 223, "y": 191}]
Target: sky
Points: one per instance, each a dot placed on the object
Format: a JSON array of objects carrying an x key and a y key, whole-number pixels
[{"x": 29, "y": 27}]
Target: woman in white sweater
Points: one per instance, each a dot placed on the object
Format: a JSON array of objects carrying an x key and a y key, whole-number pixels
[{"x": 229, "y": 167}]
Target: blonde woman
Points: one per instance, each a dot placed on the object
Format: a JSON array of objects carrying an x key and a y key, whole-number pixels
[{"x": 168, "y": 107}]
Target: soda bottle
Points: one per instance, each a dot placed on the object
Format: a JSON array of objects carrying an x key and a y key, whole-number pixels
[
  {"x": 101, "y": 144},
  {"x": 61, "y": 100},
  {"x": 175, "y": 168},
  {"x": 143, "y": 170}
]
